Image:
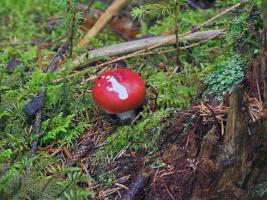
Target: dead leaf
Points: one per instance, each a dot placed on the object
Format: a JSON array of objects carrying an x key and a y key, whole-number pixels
[{"x": 124, "y": 27}]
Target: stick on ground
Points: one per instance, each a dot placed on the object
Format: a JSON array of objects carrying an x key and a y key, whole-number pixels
[
  {"x": 143, "y": 44},
  {"x": 102, "y": 21}
]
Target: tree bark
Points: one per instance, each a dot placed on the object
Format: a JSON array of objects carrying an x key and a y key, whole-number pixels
[{"x": 232, "y": 169}]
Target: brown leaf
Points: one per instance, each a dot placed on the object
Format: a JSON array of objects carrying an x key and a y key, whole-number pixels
[{"x": 124, "y": 27}]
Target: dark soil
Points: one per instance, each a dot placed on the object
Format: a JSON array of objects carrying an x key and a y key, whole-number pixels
[{"x": 179, "y": 148}]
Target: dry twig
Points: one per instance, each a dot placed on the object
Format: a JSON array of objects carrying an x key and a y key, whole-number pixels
[
  {"x": 197, "y": 28},
  {"x": 198, "y": 36},
  {"x": 102, "y": 21},
  {"x": 256, "y": 108},
  {"x": 143, "y": 45},
  {"x": 213, "y": 113}
]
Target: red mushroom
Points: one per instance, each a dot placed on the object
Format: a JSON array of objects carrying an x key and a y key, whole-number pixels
[{"x": 119, "y": 92}]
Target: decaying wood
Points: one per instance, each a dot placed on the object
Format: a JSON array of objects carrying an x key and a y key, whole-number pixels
[
  {"x": 136, "y": 188},
  {"x": 233, "y": 154},
  {"x": 207, "y": 152},
  {"x": 102, "y": 21},
  {"x": 232, "y": 169},
  {"x": 143, "y": 44}
]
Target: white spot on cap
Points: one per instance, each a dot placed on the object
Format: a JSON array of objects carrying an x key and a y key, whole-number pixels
[
  {"x": 99, "y": 85},
  {"x": 118, "y": 88}
]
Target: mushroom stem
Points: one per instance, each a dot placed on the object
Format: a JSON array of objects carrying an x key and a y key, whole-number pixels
[{"x": 126, "y": 115}]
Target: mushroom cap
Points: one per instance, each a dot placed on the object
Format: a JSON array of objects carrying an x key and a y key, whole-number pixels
[{"x": 119, "y": 90}]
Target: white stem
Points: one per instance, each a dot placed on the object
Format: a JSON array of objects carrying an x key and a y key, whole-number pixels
[{"x": 126, "y": 115}]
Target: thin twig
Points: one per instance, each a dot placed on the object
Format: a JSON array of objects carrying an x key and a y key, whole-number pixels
[
  {"x": 178, "y": 62},
  {"x": 37, "y": 132},
  {"x": 168, "y": 191},
  {"x": 197, "y": 28},
  {"x": 17, "y": 43},
  {"x": 72, "y": 26}
]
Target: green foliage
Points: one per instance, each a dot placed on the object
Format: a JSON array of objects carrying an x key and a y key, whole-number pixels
[
  {"x": 106, "y": 179},
  {"x": 14, "y": 171},
  {"x": 172, "y": 92},
  {"x": 162, "y": 8},
  {"x": 229, "y": 68},
  {"x": 261, "y": 189},
  {"x": 98, "y": 5},
  {"x": 56, "y": 126},
  {"x": 148, "y": 129},
  {"x": 228, "y": 74},
  {"x": 67, "y": 110},
  {"x": 5, "y": 155},
  {"x": 70, "y": 185},
  {"x": 13, "y": 18},
  {"x": 186, "y": 22},
  {"x": 73, "y": 133},
  {"x": 49, "y": 187},
  {"x": 62, "y": 121}
]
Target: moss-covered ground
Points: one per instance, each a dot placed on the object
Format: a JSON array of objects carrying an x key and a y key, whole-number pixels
[{"x": 81, "y": 146}]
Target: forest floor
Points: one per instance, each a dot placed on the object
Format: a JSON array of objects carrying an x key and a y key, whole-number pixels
[{"x": 199, "y": 135}]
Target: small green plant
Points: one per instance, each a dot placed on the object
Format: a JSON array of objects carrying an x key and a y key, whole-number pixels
[
  {"x": 67, "y": 110},
  {"x": 229, "y": 68},
  {"x": 162, "y": 8},
  {"x": 171, "y": 89},
  {"x": 148, "y": 129},
  {"x": 261, "y": 189},
  {"x": 228, "y": 74},
  {"x": 61, "y": 128},
  {"x": 106, "y": 179}
]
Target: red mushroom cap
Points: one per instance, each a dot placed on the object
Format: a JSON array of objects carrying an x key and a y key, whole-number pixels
[{"x": 119, "y": 90}]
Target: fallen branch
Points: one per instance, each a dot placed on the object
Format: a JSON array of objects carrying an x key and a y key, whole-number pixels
[
  {"x": 181, "y": 48},
  {"x": 144, "y": 44},
  {"x": 102, "y": 21},
  {"x": 202, "y": 37},
  {"x": 137, "y": 187},
  {"x": 17, "y": 43}
]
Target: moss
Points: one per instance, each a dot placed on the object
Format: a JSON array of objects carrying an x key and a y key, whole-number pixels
[
  {"x": 67, "y": 112},
  {"x": 242, "y": 44}
]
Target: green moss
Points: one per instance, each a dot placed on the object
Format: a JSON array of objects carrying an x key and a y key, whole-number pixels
[
  {"x": 228, "y": 69},
  {"x": 142, "y": 135},
  {"x": 68, "y": 105},
  {"x": 228, "y": 74},
  {"x": 172, "y": 90}
]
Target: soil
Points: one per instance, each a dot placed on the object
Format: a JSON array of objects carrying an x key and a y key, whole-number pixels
[{"x": 179, "y": 147}]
